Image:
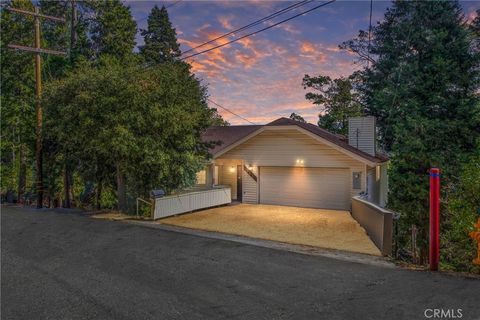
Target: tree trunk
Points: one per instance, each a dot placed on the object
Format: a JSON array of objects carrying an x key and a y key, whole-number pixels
[
  {"x": 66, "y": 187},
  {"x": 121, "y": 191},
  {"x": 22, "y": 174},
  {"x": 99, "y": 195}
]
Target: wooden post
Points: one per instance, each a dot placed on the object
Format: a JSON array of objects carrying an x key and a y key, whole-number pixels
[{"x": 38, "y": 111}]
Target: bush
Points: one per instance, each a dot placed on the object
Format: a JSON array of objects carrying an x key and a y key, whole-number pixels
[{"x": 463, "y": 209}]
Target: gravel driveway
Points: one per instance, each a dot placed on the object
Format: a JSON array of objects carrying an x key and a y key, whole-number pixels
[{"x": 331, "y": 229}]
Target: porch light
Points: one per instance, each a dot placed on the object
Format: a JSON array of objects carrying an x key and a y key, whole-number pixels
[
  {"x": 232, "y": 169},
  {"x": 299, "y": 161}
]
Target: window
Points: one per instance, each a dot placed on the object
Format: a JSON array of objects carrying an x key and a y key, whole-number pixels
[
  {"x": 202, "y": 177},
  {"x": 357, "y": 180}
]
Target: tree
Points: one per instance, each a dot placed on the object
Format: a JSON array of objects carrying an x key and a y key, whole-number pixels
[
  {"x": 421, "y": 86},
  {"x": 463, "y": 205},
  {"x": 160, "y": 38},
  {"x": 297, "y": 117},
  {"x": 17, "y": 99},
  {"x": 112, "y": 28},
  {"x": 337, "y": 101},
  {"x": 147, "y": 124},
  {"x": 475, "y": 27}
]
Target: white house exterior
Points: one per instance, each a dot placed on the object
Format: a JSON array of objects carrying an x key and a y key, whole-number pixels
[{"x": 292, "y": 163}]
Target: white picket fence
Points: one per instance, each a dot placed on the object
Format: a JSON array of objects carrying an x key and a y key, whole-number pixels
[{"x": 191, "y": 200}]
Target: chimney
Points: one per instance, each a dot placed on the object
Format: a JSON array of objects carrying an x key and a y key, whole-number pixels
[{"x": 362, "y": 134}]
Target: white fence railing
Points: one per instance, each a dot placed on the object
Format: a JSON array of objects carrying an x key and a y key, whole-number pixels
[{"x": 191, "y": 200}]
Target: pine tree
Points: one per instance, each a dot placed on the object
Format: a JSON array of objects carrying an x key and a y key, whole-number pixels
[
  {"x": 421, "y": 87},
  {"x": 17, "y": 99},
  {"x": 475, "y": 27},
  {"x": 160, "y": 38},
  {"x": 112, "y": 28}
]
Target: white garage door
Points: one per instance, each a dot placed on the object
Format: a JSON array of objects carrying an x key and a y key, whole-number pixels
[{"x": 327, "y": 188}]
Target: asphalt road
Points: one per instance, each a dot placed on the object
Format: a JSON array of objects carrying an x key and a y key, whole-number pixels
[{"x": 68, "y": 266}]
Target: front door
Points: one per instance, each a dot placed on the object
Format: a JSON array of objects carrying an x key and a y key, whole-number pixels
[{"x": 239, "y": 183}]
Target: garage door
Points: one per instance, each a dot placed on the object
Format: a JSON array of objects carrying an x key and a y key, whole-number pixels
[{"x": 305, "y": 187}]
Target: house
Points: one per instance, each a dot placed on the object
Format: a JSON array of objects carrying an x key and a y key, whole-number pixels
[{"x": 287, "y": 162}]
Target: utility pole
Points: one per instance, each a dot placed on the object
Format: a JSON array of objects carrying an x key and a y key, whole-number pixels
[{"x": 38, "y": 91}]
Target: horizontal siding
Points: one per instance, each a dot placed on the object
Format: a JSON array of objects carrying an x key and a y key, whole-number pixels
[
  {"x": 226, "y": 176},
  {"x": 366, "y": 133},
  {"x": 284, "y": 147},
  {"x": 249, "y": 187}
]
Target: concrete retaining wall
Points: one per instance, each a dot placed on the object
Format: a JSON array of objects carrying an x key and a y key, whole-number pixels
[{"x": 377, "y": 221}]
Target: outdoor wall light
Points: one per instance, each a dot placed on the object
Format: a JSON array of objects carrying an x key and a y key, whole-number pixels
[
  {"x": 299, "y": 161},
  {"x": 232, "y": 169}
]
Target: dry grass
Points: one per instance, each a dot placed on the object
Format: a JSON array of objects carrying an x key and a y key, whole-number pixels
[
  {"x": 112, "y": 215},
  {"x": 330, "y": 229}
]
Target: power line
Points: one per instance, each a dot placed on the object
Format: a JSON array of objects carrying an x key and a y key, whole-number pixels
[
  {"x": 254, "y": 23},
  {"x": 172, "y": 4},
  {"x": 258, "y": 31},
  {"x": 226, "y": 109},
  {"x": 166, "y": 7}
]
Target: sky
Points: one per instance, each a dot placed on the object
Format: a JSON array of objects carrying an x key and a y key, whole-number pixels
[{"x": 260, "y": 77}]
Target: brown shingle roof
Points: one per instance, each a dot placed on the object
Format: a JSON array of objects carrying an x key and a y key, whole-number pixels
[
  {"x": 226, "y": 135},
  {"x": 231, "y": 134}
]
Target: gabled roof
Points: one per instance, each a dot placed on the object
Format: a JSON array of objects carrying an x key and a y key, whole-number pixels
[{"x": 229, "y": 135}]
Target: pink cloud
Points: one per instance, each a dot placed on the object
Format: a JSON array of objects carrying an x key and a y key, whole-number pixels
[{"x": 225, "y": 22}]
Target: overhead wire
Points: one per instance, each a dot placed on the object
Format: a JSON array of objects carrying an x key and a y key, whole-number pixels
[
  {"x": 166, "y": 7},
  {"x": 252, "y": 24},
  {"x": 228, "y": 110},
  {"x": 258, "y": 31}
]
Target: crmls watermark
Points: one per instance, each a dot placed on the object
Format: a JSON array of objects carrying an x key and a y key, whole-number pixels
[{"x": 443, "y": 313}]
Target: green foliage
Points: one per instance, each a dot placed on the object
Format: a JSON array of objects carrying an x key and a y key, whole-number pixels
[
  {"x": 108, "y": 199},
  {"x": 336, "y": 99},
  {"x": 475, "y": 28},
  {"x": 160, "y": 38},
  {"x": 113, "y": 115},
  {"x": 112, "y": 29},
  {"x": 297, "y": 117},
  {"x": 421, "y": 86},
  {"x": 458, "y": 250},
  {"x": 17, "y": 119}
]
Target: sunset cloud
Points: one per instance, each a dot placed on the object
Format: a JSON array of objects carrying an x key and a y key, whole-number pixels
[
  {"x": 260, "y": 76},
  {"x": 225, "y": 22}
]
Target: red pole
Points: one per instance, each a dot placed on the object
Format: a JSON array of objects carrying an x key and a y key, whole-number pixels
[{"x": 434, "y": 218}]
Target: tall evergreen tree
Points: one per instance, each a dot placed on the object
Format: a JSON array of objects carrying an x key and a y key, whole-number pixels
[
  {"x": 160, "y": 37},
  {"x": 475, "y": 27},
  {"x": 17, "y": 99},
  {"x": 421, "y": 87},
  {"x": 112, "y": 28}
]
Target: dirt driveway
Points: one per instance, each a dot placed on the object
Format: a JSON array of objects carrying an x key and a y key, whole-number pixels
[{"x": 332, "y": 229}]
